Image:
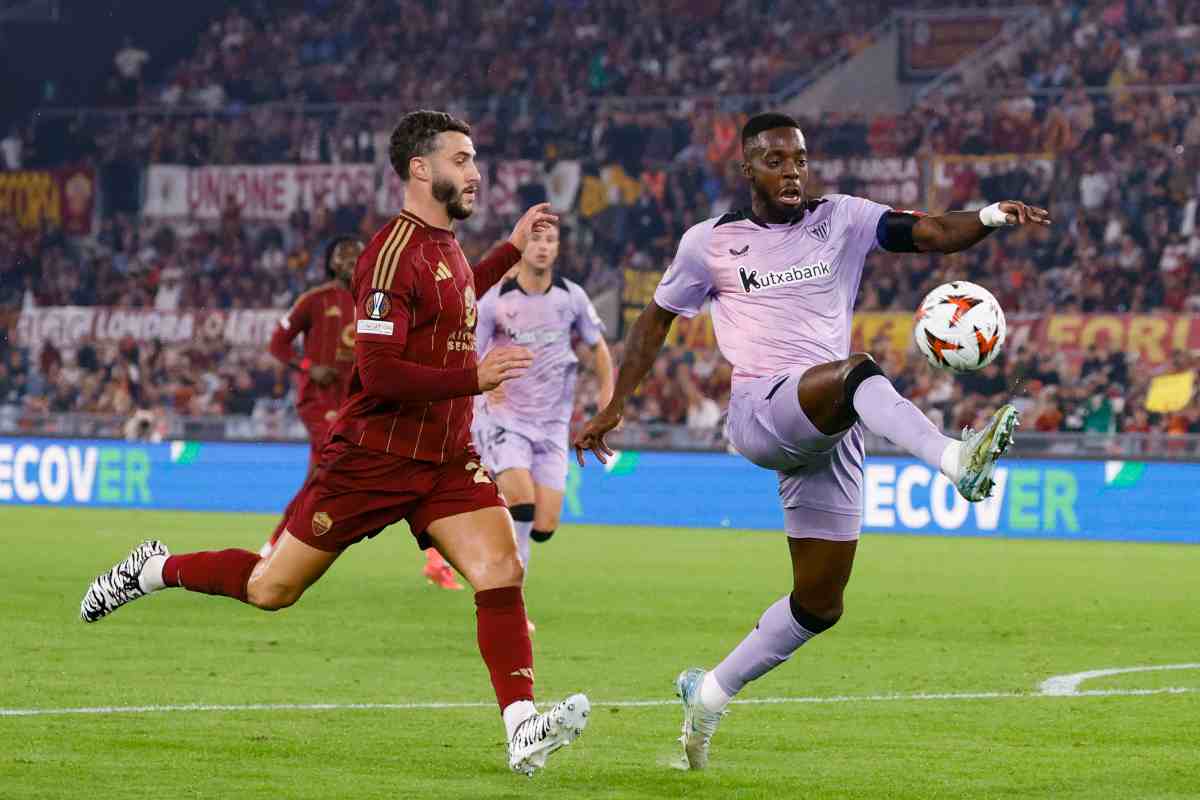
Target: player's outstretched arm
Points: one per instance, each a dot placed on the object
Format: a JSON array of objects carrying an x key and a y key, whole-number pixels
[
  {"x": 379, "y": 354},
  {"x": 642, "y": 346},
  {"x": 291, "y": 325},
  {"x": 958, "y": 230},
  {"x": 604, "y": 371}
]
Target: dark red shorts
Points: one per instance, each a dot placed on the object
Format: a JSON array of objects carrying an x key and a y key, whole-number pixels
[
  {"x": 355, "y": 493},
  {"x": 318, "y": 420}
]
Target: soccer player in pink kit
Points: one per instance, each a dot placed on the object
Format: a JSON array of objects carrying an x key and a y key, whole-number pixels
[
  {"x": 522, "y": 430},
  {"x": 782, "y": 277}
]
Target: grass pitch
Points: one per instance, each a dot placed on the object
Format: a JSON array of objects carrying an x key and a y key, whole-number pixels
[{"x": 619, "y": 611}]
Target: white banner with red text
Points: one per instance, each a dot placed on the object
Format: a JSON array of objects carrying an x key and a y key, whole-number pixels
[
  {"x": 70, "y": 326},
  {"x": 274, "y": 192}
]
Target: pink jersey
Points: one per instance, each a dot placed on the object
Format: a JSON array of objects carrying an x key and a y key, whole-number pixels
[
  {"x": 546, "y": 324},
  {"x": 782, "y": 295}
]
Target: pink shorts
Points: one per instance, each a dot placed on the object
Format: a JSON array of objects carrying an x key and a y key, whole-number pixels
[
  {"x": 504, "y": 449},
  {"x": 820, "y": 476}
]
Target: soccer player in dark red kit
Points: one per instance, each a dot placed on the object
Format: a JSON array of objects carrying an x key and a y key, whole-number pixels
[
  {"x": 400, "y": 447},
  {"x": 325, "y": 317}
]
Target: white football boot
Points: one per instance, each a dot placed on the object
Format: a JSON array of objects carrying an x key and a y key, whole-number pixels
[
  {"x": 540, "y": 735},
  {"x": 699, "y": 724},
  {"x": 979, "y": 451},
  {"x": 119, "y": 585}
]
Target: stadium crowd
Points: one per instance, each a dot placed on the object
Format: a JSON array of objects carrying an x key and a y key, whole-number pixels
[
  {"x": 1120, "y": 170},
  {"x": 535, "y": 72}
]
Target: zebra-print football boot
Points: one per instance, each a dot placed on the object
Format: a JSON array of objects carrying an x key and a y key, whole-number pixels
[{"x": 119, "y": 585}]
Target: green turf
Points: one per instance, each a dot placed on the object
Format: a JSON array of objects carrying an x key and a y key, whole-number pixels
[{"x": 619, "y": 611}]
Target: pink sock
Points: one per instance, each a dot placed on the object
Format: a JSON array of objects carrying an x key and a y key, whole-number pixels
[{"x": 888, "y": 414}]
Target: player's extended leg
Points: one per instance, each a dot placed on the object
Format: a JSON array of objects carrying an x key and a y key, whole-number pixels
[
  {"x": 278, "y": 580},
  {"x": 820, "y": 572},
  {"x": 481, "y": 546},
  {"x": 516, "y": 484},
  {"x": 836, "y": 395},
  {"x": 270, "y": 583},
  {"x": 549, "y": 470},
  {"x": 548, "y": 502}
]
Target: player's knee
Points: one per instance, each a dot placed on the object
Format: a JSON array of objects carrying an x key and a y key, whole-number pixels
[
  {"x": 545, "y": 521},
  {"x": 858, "y": 359},
  {"x": 517, "y": 496},
  {"x": 497, "y": 570},
  {"x": 516, "y": 487},
  {"x": 815, "y": 613},
  {"x": 522, "y": 512},
  {"x": 271, "y": 595},
  {"x": 859, "y": 367},
  {"x": 508, "y": 571}
]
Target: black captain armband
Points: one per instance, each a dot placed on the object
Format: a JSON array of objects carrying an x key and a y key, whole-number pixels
[{"x": 895, "y": 231}]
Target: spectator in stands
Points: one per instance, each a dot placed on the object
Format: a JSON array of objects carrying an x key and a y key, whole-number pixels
[
  {"x": 12, "y": 150},
  {"x": 129, "y": 62},
  {"x": 703, "y": 413}
]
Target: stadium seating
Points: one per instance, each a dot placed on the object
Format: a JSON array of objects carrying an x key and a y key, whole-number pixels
[{"x": 1116, "y": 164}]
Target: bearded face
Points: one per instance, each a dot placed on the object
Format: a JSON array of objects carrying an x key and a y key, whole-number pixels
[{"x": 459, "y": 200}]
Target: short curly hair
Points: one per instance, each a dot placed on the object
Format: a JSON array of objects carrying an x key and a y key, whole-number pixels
[
  {"x": 416, "y": 134},
  {"x": 765, "y": 122}
]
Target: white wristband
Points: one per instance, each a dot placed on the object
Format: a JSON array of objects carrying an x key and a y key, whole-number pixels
[{"x": 993, "y": 217}]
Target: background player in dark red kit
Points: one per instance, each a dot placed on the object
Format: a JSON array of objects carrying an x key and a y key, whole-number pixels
[
  {"x": 324, "y": 316},
  {"x": 400, "y": 448}
]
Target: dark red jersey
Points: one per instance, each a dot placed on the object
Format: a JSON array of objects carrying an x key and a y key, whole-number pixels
[
  {"x": 415, "y": 366},
  {"x": 325, "y": 315}
]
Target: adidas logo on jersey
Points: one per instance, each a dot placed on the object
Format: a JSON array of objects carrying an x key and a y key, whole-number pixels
[
  {"x": 752, "y": 281},
  {"x": 443, "y": 272}
]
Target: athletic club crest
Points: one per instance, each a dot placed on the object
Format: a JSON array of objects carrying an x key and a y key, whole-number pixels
[
  {"x": 377, "y": 305},
  {"x": 820, "y": 231}
]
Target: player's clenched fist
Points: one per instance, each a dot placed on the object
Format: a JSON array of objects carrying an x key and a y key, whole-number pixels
[
  {"x": 535, "y": 218},
  {"x": 502, "y": 364},
  {"x": 592, "y": 435}
]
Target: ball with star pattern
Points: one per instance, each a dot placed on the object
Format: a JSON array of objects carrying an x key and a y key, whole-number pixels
[{"x": 959, "y": 327}]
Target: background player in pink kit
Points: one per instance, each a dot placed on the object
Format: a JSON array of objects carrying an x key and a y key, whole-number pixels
[
  {"x": 782, "y": 277},
  {"x": 522, "y": 428}
]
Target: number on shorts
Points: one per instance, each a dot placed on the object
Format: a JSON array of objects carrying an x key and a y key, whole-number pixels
[{"x": 481, "y": 475}]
